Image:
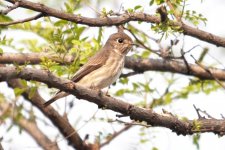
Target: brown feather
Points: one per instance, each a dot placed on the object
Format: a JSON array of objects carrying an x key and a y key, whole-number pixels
[
  {"x": 93, "y": 63},
  {"x": 98, "y": 60}
]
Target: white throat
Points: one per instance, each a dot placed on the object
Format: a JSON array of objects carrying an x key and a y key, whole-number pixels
[{"x": 118, "y": 52}]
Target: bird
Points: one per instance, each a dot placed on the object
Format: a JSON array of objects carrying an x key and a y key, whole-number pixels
[{"x": 102, "y": 69}]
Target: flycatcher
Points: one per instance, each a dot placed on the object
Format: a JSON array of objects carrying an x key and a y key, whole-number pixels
[{"x": 104, "y": 67}]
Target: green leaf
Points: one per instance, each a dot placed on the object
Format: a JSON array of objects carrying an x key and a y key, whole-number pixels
[
  {"x": 18, "y": 91},
  {"x": 1, "y": 51},
  {"x": 145, "y": 54},
  {"x": 32, "y": 92},
  {"x": 196, "y": 139},
  {"x": 168, "y": 98},
  {"x": 60, "y": 23},
  {"x": 155, "y": 148},
  {"x": 4, "y": 18},
  {"x": 151, "y": 2},
  {"x": 120, "y": 92},
  {"x": 123, "y": 80},
  {"x": 23, "y": 82},
  {"x": 130, "y": 10},
  {"x": 158, "y": 2},
  {"x": 137, "y": 7},
  {"x": 10, "y": 127},
  {"x": 99, "y": 35},
  {"x": 144, "y": 140},
  {"x": 135, "y": 86}
]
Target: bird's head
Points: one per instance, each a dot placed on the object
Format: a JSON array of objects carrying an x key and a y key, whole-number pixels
[{"x": 120, "y": 43}]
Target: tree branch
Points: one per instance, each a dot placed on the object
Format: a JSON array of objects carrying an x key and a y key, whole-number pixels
[
  {"x": 10, "y": 8},
  {"x": 31, "y": 128},
  {"x": 33, "y": 58},
  {"x": 120, "y": 19},
  {"x": 61, "y": 123},
  {"x": 22, "y": 20},
  {"x": 183, "y": 127},
  {"x": 209, "y": 72},
  {"x": 139, "y": 65}
]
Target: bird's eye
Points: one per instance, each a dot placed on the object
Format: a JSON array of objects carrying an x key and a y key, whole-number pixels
[{"x": 119, "y": 40}]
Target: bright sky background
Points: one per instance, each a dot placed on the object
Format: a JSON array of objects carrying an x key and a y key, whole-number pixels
[{"x": 161, "y": 138}]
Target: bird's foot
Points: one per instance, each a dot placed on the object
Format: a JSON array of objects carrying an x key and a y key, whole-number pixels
[
  {"x": 100, "y": 93},
  {"x": 107, "y": 92}
]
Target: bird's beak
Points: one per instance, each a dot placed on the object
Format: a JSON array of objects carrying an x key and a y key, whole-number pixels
[{"x": 133, "y": 44}]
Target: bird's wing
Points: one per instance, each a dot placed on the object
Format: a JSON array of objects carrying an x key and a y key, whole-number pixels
[{"x": 93, "y": 63}]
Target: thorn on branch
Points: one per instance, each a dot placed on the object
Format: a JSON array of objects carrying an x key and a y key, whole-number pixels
[
  {"x": 129, "y": 74},
  {"x": 121, "y": 115},
  {"x": 198, "y": 110},
  {"x": 86, "y": 137}
]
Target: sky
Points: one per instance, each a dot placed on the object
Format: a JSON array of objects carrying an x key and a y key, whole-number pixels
[{"x": 161, "y": 138}]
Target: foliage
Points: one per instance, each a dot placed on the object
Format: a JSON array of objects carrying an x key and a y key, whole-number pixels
[{"x": 63, "y": 38}]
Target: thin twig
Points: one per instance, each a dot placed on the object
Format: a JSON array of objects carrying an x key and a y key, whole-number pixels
[
  {"x": 115, "y": 134},
  {"x": 122, "y": 19},
  {"x": 198, "y": 110},
  {"x": 129, "y": 74},
  {"x": 10, "y": 8},
  {"x": 142, "y": 44},
  {"x": 140, "y": 31},
  {"x": 23, "y": 20},
  {"x": 209, "y": 72},
  {"x": 132, "y": 123}
]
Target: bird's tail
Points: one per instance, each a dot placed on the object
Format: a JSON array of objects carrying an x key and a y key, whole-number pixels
[{"x": 58, "y": 95}]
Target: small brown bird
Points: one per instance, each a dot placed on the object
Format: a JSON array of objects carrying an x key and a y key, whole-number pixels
[{"x": 104, "y": 67}]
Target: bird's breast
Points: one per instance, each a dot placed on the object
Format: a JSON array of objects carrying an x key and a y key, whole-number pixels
[{"x": 105, "y": 75}]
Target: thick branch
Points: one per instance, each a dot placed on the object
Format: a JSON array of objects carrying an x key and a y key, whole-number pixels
[
  {"x": 61, "y": 123},
  {"x": 138, "y": 65},
  {"x": 121, "y": 19},
  {"x": 33, "y": 58},
  {"x": 141, "y": 65},
  {"x": 135, "y": 113},
  {"x": 31, "y": 128},
  {"x": 10, "y": 8}
]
